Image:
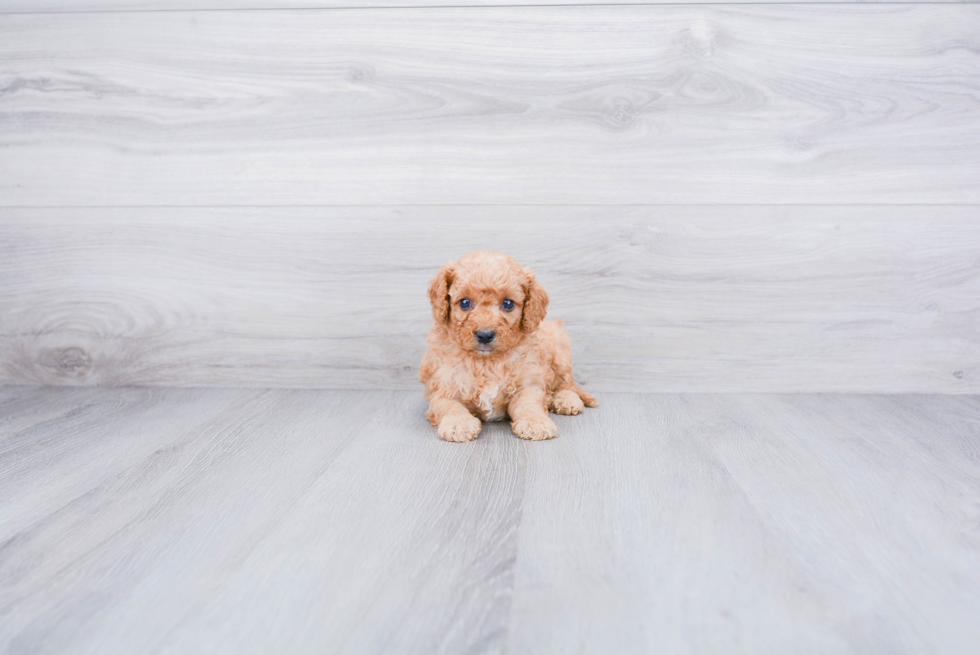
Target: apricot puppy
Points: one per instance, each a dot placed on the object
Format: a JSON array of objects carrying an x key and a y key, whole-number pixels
[{"x": 490, "y": 356}]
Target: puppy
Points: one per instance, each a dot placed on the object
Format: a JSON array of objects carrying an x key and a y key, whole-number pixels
[{"x": 489, "y": 354}]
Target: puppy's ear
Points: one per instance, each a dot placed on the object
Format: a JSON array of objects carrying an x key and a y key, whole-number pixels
[
  {"x": 439, "y": 292},
  {"x": 535, "y": 303}
]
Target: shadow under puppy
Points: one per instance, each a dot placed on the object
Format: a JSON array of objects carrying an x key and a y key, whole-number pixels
[{"x": 489, "y": 354}]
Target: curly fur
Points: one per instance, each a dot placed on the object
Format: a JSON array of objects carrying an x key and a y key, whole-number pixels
[{"x": 525, "y": 371}]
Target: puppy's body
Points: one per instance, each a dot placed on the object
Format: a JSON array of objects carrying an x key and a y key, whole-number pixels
[
  {"x": 486, "y": 385},
  {"x": 490, "y": 356}
]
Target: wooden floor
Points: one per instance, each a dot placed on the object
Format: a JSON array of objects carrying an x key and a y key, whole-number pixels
[{"x": 240, "y": 521}]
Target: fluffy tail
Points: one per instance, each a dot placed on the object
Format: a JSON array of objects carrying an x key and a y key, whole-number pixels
[{"x": 586, "y": 397}]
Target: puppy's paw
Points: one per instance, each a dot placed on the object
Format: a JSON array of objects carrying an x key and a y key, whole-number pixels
[
  {"x": 566, "y": 401},
  {"x": 535, "y": 428},
  {"x": 457, "y": 427}
]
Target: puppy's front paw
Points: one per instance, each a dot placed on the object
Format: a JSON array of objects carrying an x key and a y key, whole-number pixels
[
  {"x": 457, "y": 427},
  {"x": 566, "y": 401},
  {"x": 535, "y": 428}
]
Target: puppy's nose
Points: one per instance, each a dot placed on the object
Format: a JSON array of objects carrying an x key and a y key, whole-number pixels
[{"x": 485, "y": 335}]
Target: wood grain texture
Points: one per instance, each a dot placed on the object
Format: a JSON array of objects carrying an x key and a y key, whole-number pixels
[
  {"x": 777, "y": 520},
  {"x": 874, "y": 103},
  {"x": 245, "y": 521},
  {"x": 43, "y": 6},
  {"x": 882, "y": 299},
  {"x": 239, "y": 479}
]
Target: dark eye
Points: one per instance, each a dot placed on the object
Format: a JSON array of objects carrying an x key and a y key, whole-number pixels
[
  {"x": 465, "y": 303},
  {"x": 507, "y": 304}
]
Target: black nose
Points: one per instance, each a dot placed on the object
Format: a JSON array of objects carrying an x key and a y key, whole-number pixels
[{"x": 485, "y": 335}]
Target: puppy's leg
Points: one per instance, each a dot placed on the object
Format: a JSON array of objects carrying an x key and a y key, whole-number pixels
[
  {"x": 567, "y": 397},
  {"x": 529, "y": 415},
  {"x": 453, "y": 421}
]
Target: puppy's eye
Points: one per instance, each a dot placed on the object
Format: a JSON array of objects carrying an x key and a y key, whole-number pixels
[
  {"x": 465, "y": 303},
  {"x": 507, "y": 304}
]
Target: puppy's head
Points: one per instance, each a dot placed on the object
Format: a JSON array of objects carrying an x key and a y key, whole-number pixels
[{"x": 487, "y": 301}]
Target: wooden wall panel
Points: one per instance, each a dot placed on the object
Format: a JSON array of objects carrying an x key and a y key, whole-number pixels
[
  {"x": 875, "y": 103},
  {"x": 694, "y": 298},
  {"x": 36, "y": 6},
  {"x": 248, "y": 198}
]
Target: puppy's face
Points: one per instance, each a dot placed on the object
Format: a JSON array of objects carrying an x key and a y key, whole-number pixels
[
  {"x": 488, "y": 302},
  {"x": 486, "y": 319}
]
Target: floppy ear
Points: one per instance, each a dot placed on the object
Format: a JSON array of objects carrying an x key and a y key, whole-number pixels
[
  {"x": 535, "y": 303},
  {"x": 439, "y": 292}
]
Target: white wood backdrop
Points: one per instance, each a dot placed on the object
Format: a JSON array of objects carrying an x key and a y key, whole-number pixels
[
  {"x": 512, "y": 105},
  {"x": 744, "y": 197},
  {"x": 656, "y": 298},
  {"x": 35, "y": 6}
]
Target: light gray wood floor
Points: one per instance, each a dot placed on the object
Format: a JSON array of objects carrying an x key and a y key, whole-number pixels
[{"x": 239, "y": 521}]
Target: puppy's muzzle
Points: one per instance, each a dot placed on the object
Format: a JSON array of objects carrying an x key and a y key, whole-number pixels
[{"x": 484, "y": 337}]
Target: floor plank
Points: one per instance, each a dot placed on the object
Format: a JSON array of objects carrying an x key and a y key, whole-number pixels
[
  {"x": 867, "y": 491},
  {"x": 756, "y": 298},
  {"x": 636, "y": 539},
  {"x": 844, "y": 103},
  {"x": 312, "y": 521},
  {"x": 23, "y": 407}
]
